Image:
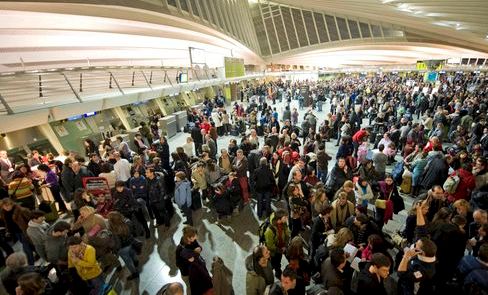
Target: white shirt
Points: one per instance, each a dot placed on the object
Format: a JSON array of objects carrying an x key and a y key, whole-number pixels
[
  {"x": 122, "y": 170},
  {"x": 188, "y": 148}
]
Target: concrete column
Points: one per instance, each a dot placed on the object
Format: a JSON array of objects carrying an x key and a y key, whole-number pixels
[
  {"x": 49, "y": 133},
  {"x": 160, "y": 105},
  {"x": 123, "y": 117}
]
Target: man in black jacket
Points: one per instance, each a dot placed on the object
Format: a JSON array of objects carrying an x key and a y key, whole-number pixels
[
  {"x": 264, "y": 182},
  {"x": 156, "y": 193},
  {"x": 338, "y": 175},
  {"x": 197, "y": 137},
  {"x": 418, "y": 268},
  {"x": 371, "y": 277}
]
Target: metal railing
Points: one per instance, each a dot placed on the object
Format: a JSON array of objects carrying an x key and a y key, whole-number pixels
[{"x": 28, "y": 91}]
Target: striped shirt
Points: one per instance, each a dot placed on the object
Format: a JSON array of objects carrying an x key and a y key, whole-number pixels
[{"x": 20, "y": 188}]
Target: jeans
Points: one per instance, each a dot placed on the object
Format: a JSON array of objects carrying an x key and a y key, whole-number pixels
[
  {"x": 188, "y": 213},
  {"x": 264, "y": 203},
  {"x": 322, "y": 175},
  {"x": 139, "y": 215},
  {"x": 159, "y": 212},
  {"x": 95, "y": 285},
  {"x": 129, "y": 256},
  {"x": 276, "y": 264},
  {"x": 26, "y": 247},
  {"x": 57, "y": 197},
  {"x": 6, "y": 248}
]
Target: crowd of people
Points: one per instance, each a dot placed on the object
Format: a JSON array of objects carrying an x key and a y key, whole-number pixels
[{"x": 326, "y": 222}]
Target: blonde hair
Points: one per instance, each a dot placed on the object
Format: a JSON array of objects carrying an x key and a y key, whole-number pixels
[
  {"x": 348, "y": 183},
  {"x": 462, "y": 203},
  {"x": 342, "y": 237},
  {"x": 88, "y": 209}
]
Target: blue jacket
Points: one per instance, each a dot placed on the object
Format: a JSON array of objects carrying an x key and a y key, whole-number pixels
[
  {"x": 138, "y": 187},
  {"x": 183, "y": 193}
]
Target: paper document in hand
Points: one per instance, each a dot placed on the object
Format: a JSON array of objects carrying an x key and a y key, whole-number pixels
[
  {"x": 355, "y": 263},
  {"x": 351, "y": 250}
]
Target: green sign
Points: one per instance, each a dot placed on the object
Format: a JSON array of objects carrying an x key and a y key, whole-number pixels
[{"x": 234, "y": 67}]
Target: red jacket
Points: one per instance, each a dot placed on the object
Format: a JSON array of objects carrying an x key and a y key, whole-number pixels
[
  {"x": 358, "y": 136},
  {"x": 205, "y": 126},
  {"x": 465, "y": 186}
]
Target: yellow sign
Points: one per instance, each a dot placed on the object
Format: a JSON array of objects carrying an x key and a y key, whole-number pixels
[{"x": 421, "y": 66}]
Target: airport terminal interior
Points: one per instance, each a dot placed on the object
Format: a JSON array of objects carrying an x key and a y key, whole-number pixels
[{"x": 247, "y": 147}]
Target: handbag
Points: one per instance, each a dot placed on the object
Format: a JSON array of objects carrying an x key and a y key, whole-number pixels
[{"x": 381, "y": 204}]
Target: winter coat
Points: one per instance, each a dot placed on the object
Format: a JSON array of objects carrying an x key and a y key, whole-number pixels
[
  {"x": 331, "y": 276},
  {"x": 155, "y": 190},
  {"x": 435, "y": 173},
  {"x": 271, "y": 236},
  {"x": 68, "y": 183},
  {"x": 20, "y": 217},
  {"x": 183, "y": 193},
  {"x": 221, "y": 278},
  {"x": 466, "y": 185},
  {"x": 418, "y": 167},
  {"x": 199, "y": 180},
  {"x": 240, "y": 166},
  {"x": 92, "y": 221},
  {"x": 337, "y": 177},
  {"x": 323, "y": 160},
  {"x": 339, "y": 215},
  {"x": 368, "y": 283},
  {"x": 364, "y": 195},
  {"x": 37, "y": 234},
  {"x": 264, "y": 180},
  {"x": 56, "y": 247},
  {"x": 138, "y": 187},
  {"x": 398, "y": 204},
  {"x": 124, "y": 202},
  {"x": 255, "y": 284}
]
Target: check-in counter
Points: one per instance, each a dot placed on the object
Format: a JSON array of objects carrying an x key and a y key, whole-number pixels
[
  {"x": 168, "y": 125},
  {"x": 181, "y": 120}
]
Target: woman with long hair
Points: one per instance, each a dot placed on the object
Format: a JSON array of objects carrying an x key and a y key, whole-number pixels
[{"x": 117, "y": 224}]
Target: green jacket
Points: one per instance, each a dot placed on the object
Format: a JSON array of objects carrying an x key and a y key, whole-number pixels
[{"x": 271, "y": 236}]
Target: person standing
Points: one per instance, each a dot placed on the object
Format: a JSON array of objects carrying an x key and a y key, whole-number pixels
[
  {"x": 264, "y": 183},
  {"x": 372, "y": 275},
  {"x": 240, "y": 166},
  {"x": 156, "y": 191},
  {"x": 6, "y": 167},
  {"x": 188, "y": 243},
  {"x": 183, "y": 196},
  {"x": 276, "y": 238},
  {"x": 82, "y": 257},
  {"x": 121, "y": 168}
]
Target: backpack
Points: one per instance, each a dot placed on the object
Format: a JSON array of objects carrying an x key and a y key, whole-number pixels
[
  {"x": 262, "y": 230},
  {"x": 451, "y": 184}
]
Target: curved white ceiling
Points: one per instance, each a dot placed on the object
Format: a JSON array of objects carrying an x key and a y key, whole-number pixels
[
  {"x": 377, "y": 54},
  {"x": 32, "y": 40},
  {"x": 40, "y": 35}
]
